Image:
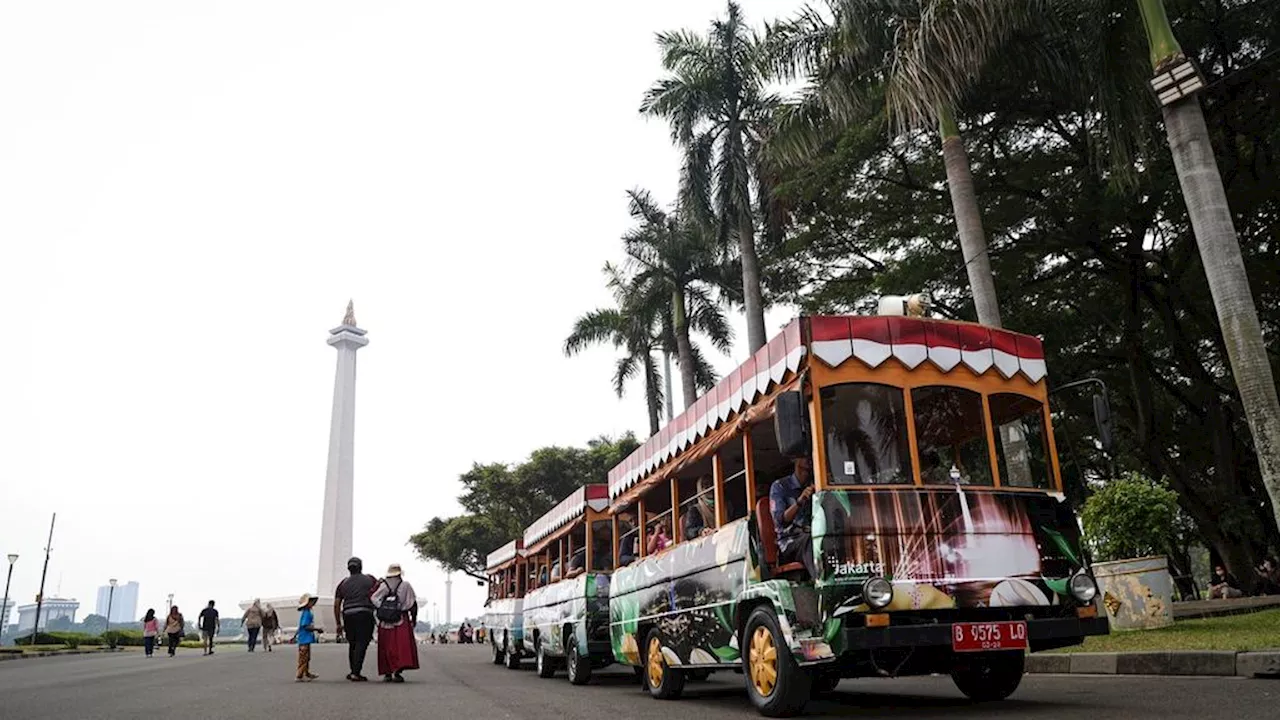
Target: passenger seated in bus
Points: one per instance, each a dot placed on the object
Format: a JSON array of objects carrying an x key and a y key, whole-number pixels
[
  {"x": 542, "y": 578},
  {"x": 700, "y": 518},
  {"x": 628, "y": 542},
  {"x": 578, "y": 562},
  {"x": 658, "y": 539},
  {"x": 555, "y": 571},
  {"x": 789, "y": 504}
]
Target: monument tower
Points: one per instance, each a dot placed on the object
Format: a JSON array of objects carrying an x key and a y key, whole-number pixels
[{"x": 335, "y": 526}]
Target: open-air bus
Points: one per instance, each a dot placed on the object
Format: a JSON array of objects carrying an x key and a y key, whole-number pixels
[
  {"x": 504, "y": 609},
  {"x": 569, "y": 553},
  {"x": 941, "y": 537}
]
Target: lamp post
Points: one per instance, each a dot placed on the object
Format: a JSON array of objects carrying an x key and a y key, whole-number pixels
[
  {"x": 111, "y": 597},
  {"x": 4, "y": 606}
]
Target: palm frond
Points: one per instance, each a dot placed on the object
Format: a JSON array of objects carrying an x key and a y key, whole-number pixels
[{"x": 594, "y": 328}]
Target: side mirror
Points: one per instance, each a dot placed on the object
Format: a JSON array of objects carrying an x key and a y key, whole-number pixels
[
  {"x": 791, "y": 425},
  {"x": 1102, "y": 416}
]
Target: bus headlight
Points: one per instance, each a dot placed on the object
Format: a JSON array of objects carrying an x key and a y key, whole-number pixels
[
  {"x": 1082, "y": 587},
  {"x": 878, "y": 592}
]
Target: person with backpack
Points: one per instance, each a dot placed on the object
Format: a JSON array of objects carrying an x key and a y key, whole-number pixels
[
  {"x": 397, "y": 614},
  {"x": 353, "y": 614}
]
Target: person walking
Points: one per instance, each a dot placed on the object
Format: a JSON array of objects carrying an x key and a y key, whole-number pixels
[
  {"x": 397, "y": 614},
  {"x": 270, "y": 626},
  {"x": 305, "y": 637},
  {"x": 353, "y": 614},
  {"x": 251, "y": 621},
  {"x": 210, "y": 624},
  {"x": 175, "y": 626},
  {"x": 150, "y": 629}
]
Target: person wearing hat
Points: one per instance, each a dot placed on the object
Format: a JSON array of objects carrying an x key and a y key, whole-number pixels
[
  {"x": 353, "y": 614},
  {"x": 397, "y": 613},
  {"x": 305, "y": 636}
]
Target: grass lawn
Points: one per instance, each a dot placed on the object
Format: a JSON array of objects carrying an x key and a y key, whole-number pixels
[{"x": 1253, "y": 631}]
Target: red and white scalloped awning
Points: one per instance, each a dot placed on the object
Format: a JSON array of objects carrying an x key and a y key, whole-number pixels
[
  {"x": 568, "y": 510},
  {"x": 504, "y": 554},
  {"x": 769, "y": 366},
  {"x": 912, "y": 341}
]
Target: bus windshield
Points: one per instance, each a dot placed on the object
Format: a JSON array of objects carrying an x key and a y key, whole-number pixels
[{"x": 866, "y": 435}]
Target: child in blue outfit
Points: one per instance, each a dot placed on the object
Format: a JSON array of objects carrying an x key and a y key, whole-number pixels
[{"x": 306, "y": 636}]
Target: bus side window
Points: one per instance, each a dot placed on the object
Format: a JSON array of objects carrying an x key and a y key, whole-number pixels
[
  {"x": 657, "y": 525},
  {"x": 735, "y": 480},
  {"x": 697, "y": 494},
  {"x": 601, "y": 545},
  {"x": 769, "y": 463},
  {"x": 628, "y": 537}
]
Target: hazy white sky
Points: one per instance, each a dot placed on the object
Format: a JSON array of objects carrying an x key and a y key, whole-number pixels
[{"x": 189, "y": 194}]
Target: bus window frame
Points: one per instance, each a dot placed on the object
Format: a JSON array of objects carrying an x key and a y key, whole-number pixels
[{"x": 894, "y": 374}]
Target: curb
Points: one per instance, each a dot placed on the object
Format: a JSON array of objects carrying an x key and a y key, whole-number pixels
[
  {"x": 55, "y": 653},
  {"x": 1207, "y": 663}
]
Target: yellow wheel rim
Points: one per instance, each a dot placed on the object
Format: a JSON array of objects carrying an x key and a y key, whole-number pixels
[
  {"x": 656, "y": 668},
  {"x": 763, "y": 658}
]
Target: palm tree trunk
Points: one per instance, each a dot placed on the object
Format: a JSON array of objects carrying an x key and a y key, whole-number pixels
[
  {"x": 651, "y": 393},
  {"x": 671, "y": 400},
  {"x": 964, "y": 203},
  {"x": 680, "y": 323},
  {"x": 1206, "y": 202},
  {"x": 753, "y": 299}
]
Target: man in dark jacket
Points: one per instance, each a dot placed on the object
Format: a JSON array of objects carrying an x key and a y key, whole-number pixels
[{"x": 353, "y": 614}]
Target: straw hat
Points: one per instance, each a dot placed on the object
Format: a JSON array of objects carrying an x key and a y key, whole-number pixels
[
  {"x": 306, "y": 601},
  {"x": 394, "y": 570}
]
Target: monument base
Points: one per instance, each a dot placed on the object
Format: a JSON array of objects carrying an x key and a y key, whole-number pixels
[{"x": 287, "y": 610}]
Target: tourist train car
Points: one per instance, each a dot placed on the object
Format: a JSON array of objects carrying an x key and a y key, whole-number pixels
[
  {"x": 504, "y": 609},
  {"x": 941, "y": 537},
  {"x": 569, "y": 555}
]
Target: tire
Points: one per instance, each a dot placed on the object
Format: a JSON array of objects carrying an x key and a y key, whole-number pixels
[
  {"x": 497, "y": 654},
  {"x": 660, "y": 679},
  {"x": 546, "y": 668},
  {"x": 512, "y": 657},
  {"x": 987, "y": 677},
  {"x": 777, "y": 686},
  {"x": 579, "y": 667},
  {"x": 824, "y": 683}
]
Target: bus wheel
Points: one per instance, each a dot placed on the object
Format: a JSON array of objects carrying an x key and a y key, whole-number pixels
[
  {"x": 777, "y": 685},
  {"x": 579, "y": 667},
  {"x": 661, "y": 681},
  {"x": 513, "y": 658},
  {"x": 990, "y": 676},
  {"x": 544, "y": 664}
]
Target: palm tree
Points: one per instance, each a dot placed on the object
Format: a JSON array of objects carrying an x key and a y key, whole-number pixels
[
  {"x": 634, "y": 327},
  {"x": 917, "y": 57},
  {"x": 714, "y": 97},
  {"x": 1215, "y": 234},
  {"x": 674, "y": 257}
]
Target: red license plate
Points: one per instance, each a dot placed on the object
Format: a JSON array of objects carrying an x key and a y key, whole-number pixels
[{"x": 977, "y": 637}]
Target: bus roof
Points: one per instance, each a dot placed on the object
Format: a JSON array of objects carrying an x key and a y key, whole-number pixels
[
  {"x": 834, "y": 340},
  {"x": 567, "y": 511},
  {"x": 504, "y": 554}
]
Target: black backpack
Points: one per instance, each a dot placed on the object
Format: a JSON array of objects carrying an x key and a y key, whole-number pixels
[{"x": 389, "y": 610}]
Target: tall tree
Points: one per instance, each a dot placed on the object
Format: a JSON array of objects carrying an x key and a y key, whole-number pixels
[
  {"x": 633, "y": 326},
  {"x": 715, "y": 99},
  {"x": 675, "y": 257},
  {"x": 1215, "y": 233},
  {"x": 918, "y": 58}
]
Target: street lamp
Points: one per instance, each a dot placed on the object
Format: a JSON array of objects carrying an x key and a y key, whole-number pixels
[
  {"x": 4, "y": 606},
  {"x": 111, "y": 597}
]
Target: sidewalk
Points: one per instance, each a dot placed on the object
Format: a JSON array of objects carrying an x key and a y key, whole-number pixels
[
  {"x": 57, "y": 653},
  {"x": 1216, "y": 663}
]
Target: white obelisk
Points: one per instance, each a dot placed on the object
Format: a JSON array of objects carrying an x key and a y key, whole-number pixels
[{"x": 335, "y": 528}]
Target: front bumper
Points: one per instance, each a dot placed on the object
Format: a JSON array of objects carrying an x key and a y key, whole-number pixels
[{"x": 1042, "y": 634}]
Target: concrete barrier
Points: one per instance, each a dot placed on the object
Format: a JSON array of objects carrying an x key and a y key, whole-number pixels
[{"x": 1202, "y": 663}]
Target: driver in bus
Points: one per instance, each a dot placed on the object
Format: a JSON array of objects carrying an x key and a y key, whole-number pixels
[{"x": 789, "y": 504}]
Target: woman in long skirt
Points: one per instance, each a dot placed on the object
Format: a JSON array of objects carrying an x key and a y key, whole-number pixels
[{"x": 397, "y": 646}]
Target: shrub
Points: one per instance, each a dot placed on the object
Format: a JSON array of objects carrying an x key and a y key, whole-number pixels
[
  {"x": 1131, "y": 517},
  {"x": 38, "y": 639},
  {"x": 122, "y": 638}
]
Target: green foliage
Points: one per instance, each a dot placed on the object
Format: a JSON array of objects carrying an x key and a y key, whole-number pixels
[
  {"x": 94, "y": 624},
  {"x": 1131, "y": 517},
  {"x": 501, "y": 500},
  {"x": 122, "y": 638},
  {"x": 67, "y": 639}
]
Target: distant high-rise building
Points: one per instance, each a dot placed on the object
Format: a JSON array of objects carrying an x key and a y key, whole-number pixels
[
  {"x": 4, "y": 613},
  {"x": 124, "y": 606}
]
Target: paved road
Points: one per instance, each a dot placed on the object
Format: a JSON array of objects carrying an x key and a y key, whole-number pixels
[{"x": 457, "y": 682}]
